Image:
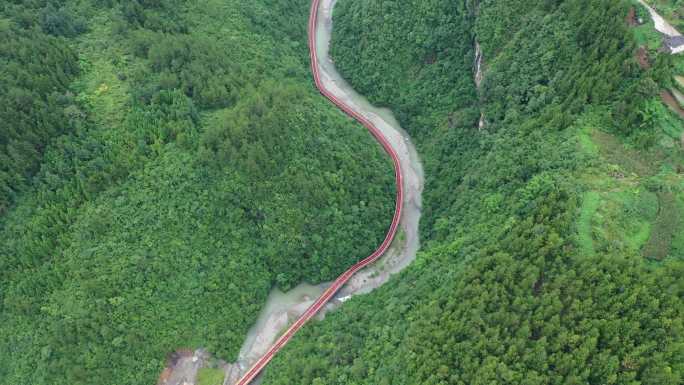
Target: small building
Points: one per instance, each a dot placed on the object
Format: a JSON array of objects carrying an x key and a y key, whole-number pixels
[{"x": 674, "y": 44}]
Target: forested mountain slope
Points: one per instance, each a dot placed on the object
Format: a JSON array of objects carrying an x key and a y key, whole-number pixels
[
  {"x": 33, "y": 109},
  {"x": 164, "y": 165},
  {"x": 552, "y": 246}
]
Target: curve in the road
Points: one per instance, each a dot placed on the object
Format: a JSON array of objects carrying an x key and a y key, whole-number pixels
[
  {"x": 342, "y": 279},
  {"x": 661, "y": 25}
]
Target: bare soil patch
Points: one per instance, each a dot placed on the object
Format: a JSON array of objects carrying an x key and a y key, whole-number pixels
[
  {"x": 671, "y": 102},
  {"x": 631, "y": 18},
  {"x": 642, "y": 58},
  {"x": 181, "y": 367}
]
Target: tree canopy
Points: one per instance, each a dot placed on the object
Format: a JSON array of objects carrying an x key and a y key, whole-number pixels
[
  {"x": 505, "y": 289},
  {"x": 165, "y": 164}
]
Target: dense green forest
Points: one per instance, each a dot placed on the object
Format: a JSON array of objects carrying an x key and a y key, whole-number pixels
[
  {"x": 36, "y": 104},
  {"x": 552, "y": 238},
  {"x": 165, "y": 164}
]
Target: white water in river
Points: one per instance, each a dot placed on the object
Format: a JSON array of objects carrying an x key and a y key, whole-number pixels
[{"x": 283, "y": 308}]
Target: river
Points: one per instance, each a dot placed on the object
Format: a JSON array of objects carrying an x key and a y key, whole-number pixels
[{"x": 281, "y": 309}]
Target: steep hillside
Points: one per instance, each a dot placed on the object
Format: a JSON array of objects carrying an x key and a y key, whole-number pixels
[
  {"x": 552, "y": 236},
  {"x": 170, "y": 162},
  {"x": 33, "y": 109}
]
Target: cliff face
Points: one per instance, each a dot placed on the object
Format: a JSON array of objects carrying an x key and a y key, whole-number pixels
[
  {"x": 479, "y": 76},
  {"x": 479, "y": 61}
]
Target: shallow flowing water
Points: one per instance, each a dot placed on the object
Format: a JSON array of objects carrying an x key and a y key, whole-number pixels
[{"x": 283, "y": 308}]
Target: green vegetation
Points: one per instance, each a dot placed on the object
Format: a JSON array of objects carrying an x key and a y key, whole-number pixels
[
  {"x": 209, "y": 376},
  {"x": 536, "y": 228},
  {"x": 666, "y": 226},
  {"x": 678, "y": 241},
  {"x": 165, "y": 164},
  {"x": 625, "y": 218},
  {"x": 671, "y": 10},
  {"x": 646, "y": 34},
  {"x": 590, "y": 204},
  {"x": 33, "y": 109}
]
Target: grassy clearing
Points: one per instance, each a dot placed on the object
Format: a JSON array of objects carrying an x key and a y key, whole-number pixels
[
  {"x": 677, "y": 249},
  {"x": 623, "y": 220},
  {"x": 615, "y": 152},
  {"x": 590, "y": 204},
  {"x": 209, "y": 376},
  {"x": 104, "y": 91},
  {"x": 104, "y": 67},
  {"x": 631, "y": 205},
  {"x": 630, "y": 218},
  {"x": 664, "y": 229},
  {"x": 646, "y": 34},
  {"x": 584, "y": 137},
  {"x": 593, "y": 119}
]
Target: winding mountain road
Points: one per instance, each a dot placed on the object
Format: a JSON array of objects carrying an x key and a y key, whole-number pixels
[{"x": 323, "y": 86}]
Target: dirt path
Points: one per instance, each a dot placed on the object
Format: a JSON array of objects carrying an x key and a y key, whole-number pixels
[
  {"x": 671, "y": 102},
  {"x": 661, "y": 25}
]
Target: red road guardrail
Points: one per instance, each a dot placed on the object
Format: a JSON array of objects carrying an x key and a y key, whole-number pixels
[{"x": 342, "y": 279}]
